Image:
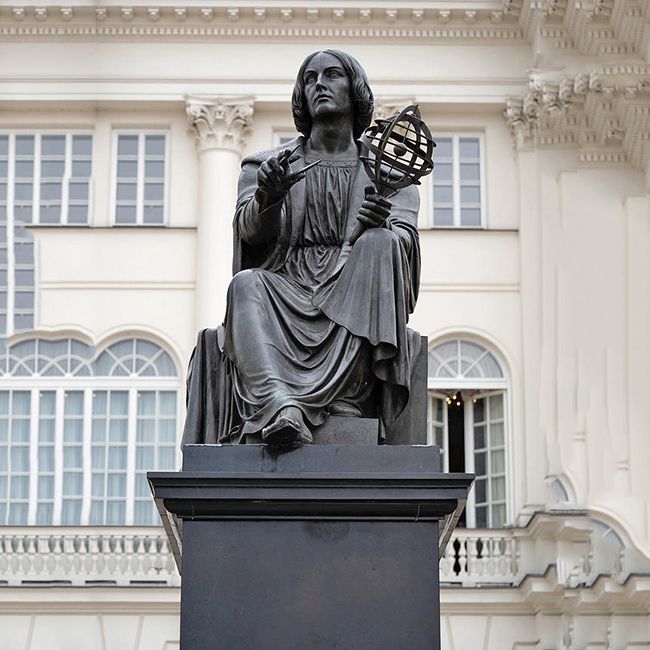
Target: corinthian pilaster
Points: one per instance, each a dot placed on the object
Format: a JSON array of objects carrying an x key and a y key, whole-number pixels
[
  {"x": 220, "y": 126},
  {"x": 220, "y": 122}
]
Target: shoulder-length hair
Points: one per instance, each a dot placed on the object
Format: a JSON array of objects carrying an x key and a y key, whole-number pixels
[{"x": 362, "y": 98}]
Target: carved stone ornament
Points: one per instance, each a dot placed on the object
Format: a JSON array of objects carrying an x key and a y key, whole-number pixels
[
  {"x": 387, "y": 107},
  {"x": 220, "y": 122}
]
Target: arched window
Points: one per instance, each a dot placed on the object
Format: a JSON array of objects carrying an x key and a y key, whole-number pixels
[
  {"x": 467, "y": 419},
  {"x": 79, "y": 429}
]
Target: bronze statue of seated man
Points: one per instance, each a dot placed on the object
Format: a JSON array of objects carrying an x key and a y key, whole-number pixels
[{"x": 315, "y": 326}]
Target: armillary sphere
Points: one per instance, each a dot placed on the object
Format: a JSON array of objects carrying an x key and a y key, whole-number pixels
[{"x": 396, "y": 153}]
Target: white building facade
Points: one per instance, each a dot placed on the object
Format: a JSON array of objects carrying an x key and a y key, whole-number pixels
[{"x": 122, "y": 128}]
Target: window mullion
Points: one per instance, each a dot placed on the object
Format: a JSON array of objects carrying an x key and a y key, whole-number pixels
[
  {"x": 11, "y": 258},
  {"x": 87, "y": 455},
  {"x": 65, "y": 181},
  {"x": 445, "y": 435},
  {"x": 455, "y": 162},
  {"x": 130, "y": 456},
  {"x": 139, "y": 217},
  {"x": 33, "y": 457},
  {"x": 36, "y": 175},
  {"x": 58, "y": 456},
  {"x": 469, "y": 459}
]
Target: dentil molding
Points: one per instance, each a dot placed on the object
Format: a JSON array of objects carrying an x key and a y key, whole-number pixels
[{"x": 220, "y": 122}]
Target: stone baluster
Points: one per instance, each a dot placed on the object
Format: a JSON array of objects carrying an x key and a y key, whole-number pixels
[{"x": 220, "y": 125}]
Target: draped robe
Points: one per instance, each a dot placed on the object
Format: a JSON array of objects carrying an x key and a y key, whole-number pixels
[{"x": 310, "y": 319}]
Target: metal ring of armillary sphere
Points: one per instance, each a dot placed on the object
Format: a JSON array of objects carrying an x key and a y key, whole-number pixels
[{"x": 399, "y": 151}]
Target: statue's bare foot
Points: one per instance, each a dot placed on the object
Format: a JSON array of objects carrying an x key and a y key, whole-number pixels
[
  {"x": 287, "y": 429},
  {"x": 345, "y": 409}
]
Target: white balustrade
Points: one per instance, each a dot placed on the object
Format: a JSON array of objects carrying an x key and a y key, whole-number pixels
[
  {"x": 480, "y": 556},
  {"x": 129, "y": 555},
  {"x": 123, "y": 556}
]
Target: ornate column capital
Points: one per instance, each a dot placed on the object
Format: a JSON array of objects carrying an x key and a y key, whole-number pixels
[
  {"x": 219, "y": 122},
  {"x": 386, "y": 107}
]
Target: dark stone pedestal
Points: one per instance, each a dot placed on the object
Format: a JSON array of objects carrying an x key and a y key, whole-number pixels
[{"x": 321, "y": 547}]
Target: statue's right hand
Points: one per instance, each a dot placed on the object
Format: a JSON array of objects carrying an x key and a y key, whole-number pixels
[{"x": 274, "y": 179}]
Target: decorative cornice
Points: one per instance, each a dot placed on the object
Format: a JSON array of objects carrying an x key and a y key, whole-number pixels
[
  {"x": 606, "y": 113},
  {"x": 304, "y": 22},
  {"x": 220, "y": 122}
]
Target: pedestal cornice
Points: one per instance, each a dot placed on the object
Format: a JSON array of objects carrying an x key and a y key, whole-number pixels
[{"x": 220, "y": 122}]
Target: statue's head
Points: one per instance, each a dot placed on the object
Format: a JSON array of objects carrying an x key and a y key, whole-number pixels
[{"x": 361, "y": 98}]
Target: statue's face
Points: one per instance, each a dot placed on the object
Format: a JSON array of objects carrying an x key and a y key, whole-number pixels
[{"x": 327, "y": 86}]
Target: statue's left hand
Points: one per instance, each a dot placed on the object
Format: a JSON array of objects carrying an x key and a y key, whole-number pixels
[{"x": 374, "y": 210}]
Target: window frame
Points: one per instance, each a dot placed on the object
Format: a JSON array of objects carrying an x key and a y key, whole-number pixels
[
  {"x": 87, "y": 386},
  {"x": 135, "y": 365},
  {"x": 427, "y": 208},
  {"x": 441, "y": 388},
  {"x": 140, "y": 179}
]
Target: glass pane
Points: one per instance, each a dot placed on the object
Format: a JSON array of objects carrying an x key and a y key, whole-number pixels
[
  {"x": 125, "y": 214},
  {"x": 479, "y": 410},
  {"x": 74, "y": 403},
  {"x": 496, "y": 407},
  {"x": 443, "y": 149},
  {"x": 98, "y": 458},
  {"x": 81, "y": 168},
  {"x": 24, "y": 277},
  {"x": 44, "y": 513},
  {"x": 24, "y": 169},
  {"x": 496, "y": 434},
  {"x": 19, "y": 459},
  {"x": 17, "y": 514},
  {"x": 145, "y": 430},
  {"x": 166, "y": 458},
  {"x": 20, "y": 431},
  {"x": 52, "y": 169},
  {"x": 497, "y": 462},
  {"x": 23, "y": 191},
  {"x": 78, "y": 191},
  {"x": 481, "y": 517},
  {"x": 443, "y": 217},
  {"x": 144, "y": 458},
  {"x": 153, "y": 214},
  {"x": 154, "y": 169},
  {"x": 53, "y": 145},
  {"x": 82, "y": 145},
  {"x": 142, "y": 486},
  {"x": 116, "y": 485},
  {"x": 154, "y": 145},
  {"x": 127, "y": 169},
  {"x": 498, "y": 486},
  {"x": 98, "y": 488},
  {"x": 24, "y": 145},
  {"x": 71, "y": 512},
  {"x": 470, "y": 217},
  {"x": 46, "y": 431},
  {"x": 46, "y": 488},
  {"x": 167, "y": 431},
  {"x": 72, "y": 457},
  {"x": 479, "y": 464},
  {"x": 77, "y": 214},
  {"x": 153, "y": 191},
  {"x": 469, "y": 147},
  {"x": 498, "y": 516},
  {"x": 117, "y": 457},
  {"x": 443, "y": 194},
  {"x": 72, "y": 483},
  {"x": 45, "y": 460},
  {"x": 119, "y": 403},
  {"x": 146, "y": 403},
  {"x": 19, "y": 487},
  {"x": 480, "y": 487},
  {"x": 117, "y": 430},
  {"x": 470, "y": 172},
  {"x": 21, "y": 401},
  {"x": 470, "y": 194},
  {"x": 127, "y": 145},
  {"x": 479, "y": 436},
  {"x": 127, "y": 191},
  {"x": 47, "y": 403},
  {"x": 442, "y": 172},
  {"x": 143, "y": 513},
  {"x": 115, "y": 513}
]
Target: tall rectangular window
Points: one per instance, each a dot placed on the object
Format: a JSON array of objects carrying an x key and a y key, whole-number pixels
[
  {"x": 458, "y": 188},
  {"x": 140, "y": 179},
  {"x": 45, "y": 179}
]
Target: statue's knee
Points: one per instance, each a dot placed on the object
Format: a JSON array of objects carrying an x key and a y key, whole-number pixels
[
  {"x": 378, "y": 238},
  {"x": 243, "y": 283}
]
